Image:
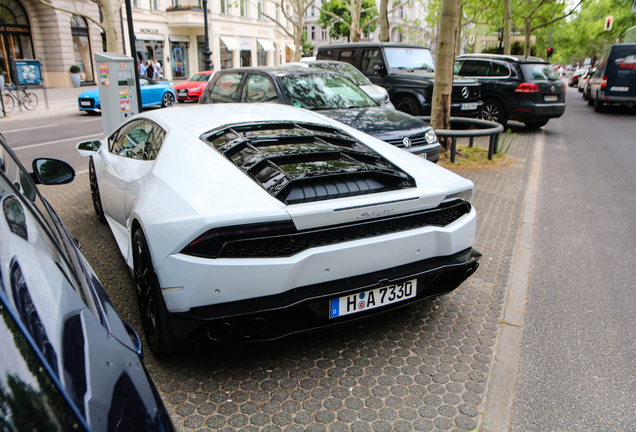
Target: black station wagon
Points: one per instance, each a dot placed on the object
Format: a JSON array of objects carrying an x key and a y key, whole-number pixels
[{"x": 526, "y": 89}]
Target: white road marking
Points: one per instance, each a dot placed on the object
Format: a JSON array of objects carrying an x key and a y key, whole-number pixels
[
  {"x": 29, "y": 128},
  {"x": 57, "y": 141}
]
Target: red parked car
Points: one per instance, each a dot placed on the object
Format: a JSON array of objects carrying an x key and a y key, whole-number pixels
[{"x": 192, "y": 88}]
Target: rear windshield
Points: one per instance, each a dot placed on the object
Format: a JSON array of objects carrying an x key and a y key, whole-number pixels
[
  {"x": 200, "y": 77},
  {"x": 538, "y": 71}
]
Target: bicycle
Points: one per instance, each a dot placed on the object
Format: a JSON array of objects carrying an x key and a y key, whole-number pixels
[{"x": 24, "y": 98}]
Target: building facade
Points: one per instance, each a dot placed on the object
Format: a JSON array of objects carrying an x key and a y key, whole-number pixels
[{"x": 239, "y": 35}]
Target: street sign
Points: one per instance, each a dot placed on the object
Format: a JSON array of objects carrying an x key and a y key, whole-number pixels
[{"x": 608, "y": 23}]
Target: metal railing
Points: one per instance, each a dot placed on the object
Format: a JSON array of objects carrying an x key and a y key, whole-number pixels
[{"x": 470, "y": 128}]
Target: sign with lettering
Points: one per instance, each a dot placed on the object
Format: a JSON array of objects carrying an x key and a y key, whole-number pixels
[
  {"x": 29, "y": 71},
  {"x": 9, "y": 29}
]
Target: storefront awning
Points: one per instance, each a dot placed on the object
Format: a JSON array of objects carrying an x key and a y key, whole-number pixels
[
  {"x": 231, "y": 43},
  {"x": 149, "y": 37},
  {"x": 266, "y": 44},
  {"x": 179, "y": 38},
  {"x": 291, "y": 46}
]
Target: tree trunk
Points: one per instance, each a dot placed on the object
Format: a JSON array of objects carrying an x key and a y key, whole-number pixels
[
  {"x": 526, "y": 48},
  {"x": 441, "y": 104},
  {"x": 507, "y": 20},
  {"x": 384, "y": 21},
  {"x": 356, "y": 11},
  {"x": 298, "y": 31},
  {"x": 458, "y": 45},
  {"x": 110, "y": 27}
]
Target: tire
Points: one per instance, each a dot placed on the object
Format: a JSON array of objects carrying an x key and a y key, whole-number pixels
[
  {"x": 494, "y": 111},
  {"x": 8, "y": 102},
  {"x": 598, "y": 105},
  {"x": 152, "y": 308},
  {"x": 409, "y": 105},
  {"x": 590, "y": 101},
  {"x": 536, "y": 124},
  {"x": 95, "y": 195},
  {"x": 167, "y": 100},
  {"x": 30, "y": 101}
]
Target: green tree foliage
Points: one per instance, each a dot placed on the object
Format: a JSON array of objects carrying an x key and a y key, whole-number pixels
[
  {"x": 584, "y": 37},
  {"x": 338, "y": 28}
]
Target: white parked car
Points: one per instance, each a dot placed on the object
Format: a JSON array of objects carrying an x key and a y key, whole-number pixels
[{"x": 260, "y": 222}]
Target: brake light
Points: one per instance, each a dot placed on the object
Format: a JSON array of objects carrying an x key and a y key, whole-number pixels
[
  {"x": 576, "y": 76},
  {"x": 211, "y": 243},
  {"x": 604, "y": 82},
  {"x": 564, "y": 89},
  {"x": 527, "y": 88}
]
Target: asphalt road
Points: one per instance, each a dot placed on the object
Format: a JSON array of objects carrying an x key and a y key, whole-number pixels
[
  {"x": 54, "y": 137},
  {"x": 578, "y": 364}
]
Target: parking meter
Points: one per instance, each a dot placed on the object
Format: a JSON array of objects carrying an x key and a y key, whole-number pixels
[{"x": 117, "y": 89}]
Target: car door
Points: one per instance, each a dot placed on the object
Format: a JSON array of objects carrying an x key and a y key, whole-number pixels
[
  {"x": 223, "y": 89},
  {"x": 259, "y": 88},
  {"x": 150, "y": 93},
  {"x": 371, "y": 58},
  {"x": 121, "y": 161}
]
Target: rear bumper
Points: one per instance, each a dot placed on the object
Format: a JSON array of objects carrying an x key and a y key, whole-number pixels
[
  {"x": 619, "y": 99},
  {"x": 537, "y": 111},
  {"x": 306, "y": 309}
]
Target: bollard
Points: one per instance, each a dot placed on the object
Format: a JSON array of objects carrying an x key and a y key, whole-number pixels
[
  {"x": 470, "y": 144},
  {"x": 491, "y": 147},
  {"x": 453, "y": 149}
]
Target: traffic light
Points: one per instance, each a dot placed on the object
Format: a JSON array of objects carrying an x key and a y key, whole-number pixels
[
  {"x": 550, "y": 52},
  {"x": 608, "y": 23}
]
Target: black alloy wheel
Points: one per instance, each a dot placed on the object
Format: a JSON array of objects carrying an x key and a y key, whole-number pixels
[
  {"x": 494, "y": 111},
  {"x": 409, "y": 105},
  {"x": 96, "y": 197},
  {"x": 598, "y": 105},
  {"x": 152, "y": 308},
  {"x": 168, "y": 100}
]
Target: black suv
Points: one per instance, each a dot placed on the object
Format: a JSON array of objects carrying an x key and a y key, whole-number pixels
[
  {"x": 526, "y": 89},
  {"x": 407, "y": 72}
]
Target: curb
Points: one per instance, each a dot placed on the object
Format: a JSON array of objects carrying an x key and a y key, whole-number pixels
[{"x": 500, "y": 388}]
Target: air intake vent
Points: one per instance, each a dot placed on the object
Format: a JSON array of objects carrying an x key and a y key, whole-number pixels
[{"x": 299, "y": 163}]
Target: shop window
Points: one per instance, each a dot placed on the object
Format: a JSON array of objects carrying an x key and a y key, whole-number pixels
[{"x": 179, "y": 59}]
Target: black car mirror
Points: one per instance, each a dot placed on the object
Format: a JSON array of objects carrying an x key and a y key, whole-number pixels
[
  {"x": 379, "y": 69},
  {"x": 52, "y": 172},
  {"x": 92, "y": 145}
]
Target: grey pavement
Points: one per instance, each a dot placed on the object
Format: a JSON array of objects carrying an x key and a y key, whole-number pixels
[
  {"x": 61, "y": 101},
  {"x": 430, "y": 367}
]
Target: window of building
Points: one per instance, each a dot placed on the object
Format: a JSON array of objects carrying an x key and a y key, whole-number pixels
[
  {"x": 82, "y": 48},
  {"x": 313, "y": 32},
  {"x": 154, "y": 4},
  {"x": 260, "y": 7},
  {"x": 179, "y": 59},
  {"x": 135, "y": 3},
  {"x": 223, "y": 6},
  {"x": 323, "y": 34},
  {"x": 243, "y": 8},
  {"x": 313, "y": 11}
]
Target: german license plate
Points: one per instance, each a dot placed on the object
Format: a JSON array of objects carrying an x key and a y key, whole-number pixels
[
  {"x": 550, "y": 98},
  {"x": 619, "y": 88},
  {"x": 85, "y": 103},
  {"x": 182, "y": 92},
  {"x": 372, "y": 299},
  {"x": 469, "y": 106}
]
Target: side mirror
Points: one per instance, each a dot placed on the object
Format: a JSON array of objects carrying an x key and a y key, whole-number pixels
[
  {"x": 52, "y": 172},
  {"x": 85, "y": 148},
  {"x": 379, "y": 69}
]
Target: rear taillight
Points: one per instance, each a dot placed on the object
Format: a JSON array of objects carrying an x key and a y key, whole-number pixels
[
  {"x": 564, "y": 88},
  {"x": 527, "y": 88},
  {"x": 210, "y": 244},
  {"x": 604, "y": 82},
  {"x": 576, "y": 76}
]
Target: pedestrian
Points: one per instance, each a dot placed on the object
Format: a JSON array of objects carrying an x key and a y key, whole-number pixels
[
  {"x": 149, "y": 69},
  {"x": 158, "y": 69},
  {"x": 142, "y": 69}
]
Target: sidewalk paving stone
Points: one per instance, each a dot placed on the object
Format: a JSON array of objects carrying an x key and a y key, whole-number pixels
[{"x": 424, "y": 368}]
